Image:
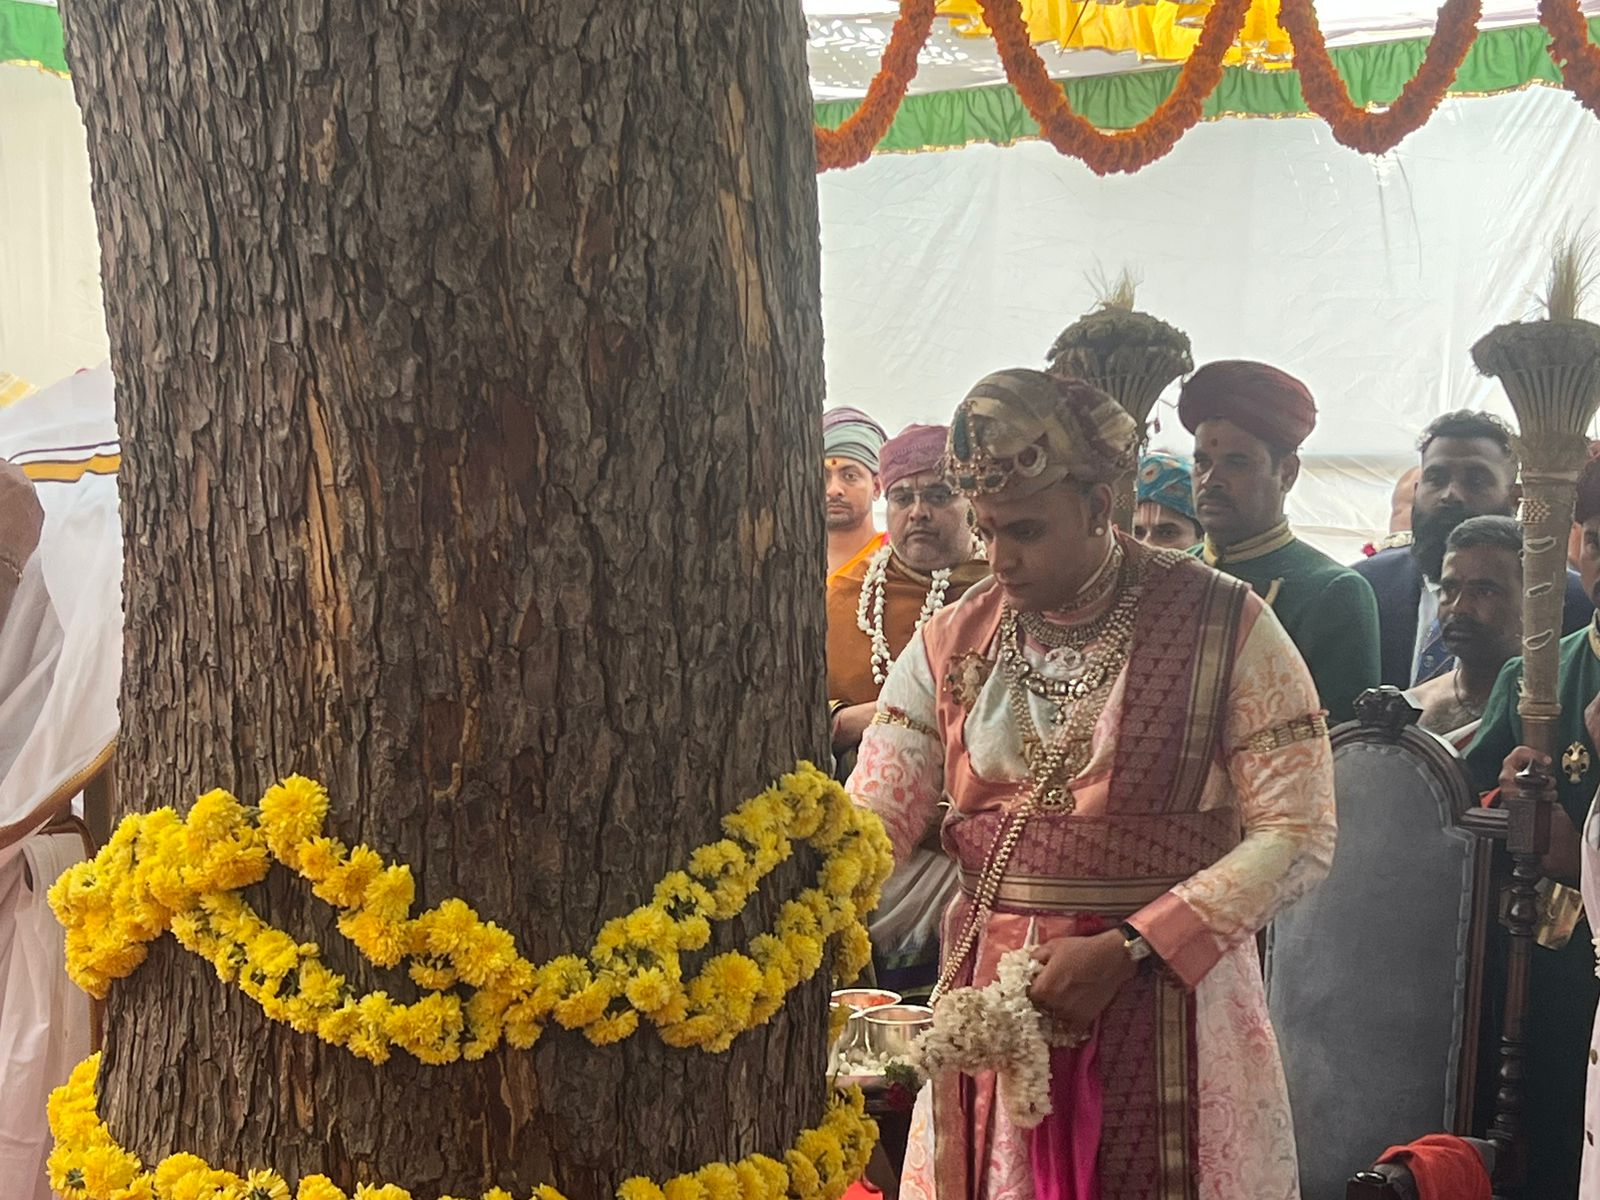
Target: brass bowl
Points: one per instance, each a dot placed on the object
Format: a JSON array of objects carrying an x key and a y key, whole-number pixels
[{"x": 892, "y": 1028}]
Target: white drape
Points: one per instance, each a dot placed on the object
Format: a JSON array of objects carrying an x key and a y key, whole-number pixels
[{"x": 51, "y": 318}]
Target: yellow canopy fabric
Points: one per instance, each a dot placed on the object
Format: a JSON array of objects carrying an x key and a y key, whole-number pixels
[{"x": 1164, "y": 31}]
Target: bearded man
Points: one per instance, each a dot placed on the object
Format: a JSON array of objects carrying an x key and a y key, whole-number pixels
[
  {"x": 1248, "y": 421},
  {"x": 1480, "y": 612},
  {"x": 851, "y": 444},
  {"x": 1469, "y": 469}
]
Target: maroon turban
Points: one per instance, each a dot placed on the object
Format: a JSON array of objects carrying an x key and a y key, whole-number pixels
[
  {"x": 1588, "y": 492},
  {"x": 1261, "y": 400},
  {"x": 915, "y": 448}
]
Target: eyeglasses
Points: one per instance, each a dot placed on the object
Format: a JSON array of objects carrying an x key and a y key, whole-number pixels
[{"x": 936, "y": 496}]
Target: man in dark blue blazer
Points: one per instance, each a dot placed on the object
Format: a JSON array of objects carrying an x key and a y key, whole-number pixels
[{"x": 1469, "y": 469}]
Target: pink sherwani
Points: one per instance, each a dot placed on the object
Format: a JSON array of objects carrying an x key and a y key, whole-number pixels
[{"x": 1258, "y": 832}]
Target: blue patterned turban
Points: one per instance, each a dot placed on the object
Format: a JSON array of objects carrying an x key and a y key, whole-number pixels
[{"x": 1167, "y": 480}]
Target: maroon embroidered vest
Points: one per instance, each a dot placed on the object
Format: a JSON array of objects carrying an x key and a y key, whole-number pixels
[{"x": 1174, "y": 707}]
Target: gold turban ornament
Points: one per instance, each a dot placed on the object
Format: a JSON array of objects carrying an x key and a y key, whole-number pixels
[{"x": 1021, "y": 431}]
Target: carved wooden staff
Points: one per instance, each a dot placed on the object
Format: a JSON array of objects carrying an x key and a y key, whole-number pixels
[
  {"x": 1132, "y": 357},
  {"x": 1550, "y": 370}
]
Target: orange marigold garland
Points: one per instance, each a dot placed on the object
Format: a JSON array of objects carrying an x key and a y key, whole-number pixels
[
  {"x": 1570, "y": 46},
  {"x": 1129, "y": 149},
  {"x": 1379, "y": 132},
  {"x": 854, "y": 140}
]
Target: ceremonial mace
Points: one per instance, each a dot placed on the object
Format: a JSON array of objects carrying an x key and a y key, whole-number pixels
[
  {"x": 1550, "y": 370},
  {"x": 1132, "y": 357}
]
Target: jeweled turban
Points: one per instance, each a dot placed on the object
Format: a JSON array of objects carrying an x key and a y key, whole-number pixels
[{"x": 1021, "y": 431}]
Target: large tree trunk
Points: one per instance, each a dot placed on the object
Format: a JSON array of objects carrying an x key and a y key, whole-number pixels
[{"x": 469, "y": 367}]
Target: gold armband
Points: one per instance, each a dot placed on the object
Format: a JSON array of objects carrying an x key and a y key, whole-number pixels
[
  {"x": 1301, "y": 729},
  {"x": 899, "y": 718}
]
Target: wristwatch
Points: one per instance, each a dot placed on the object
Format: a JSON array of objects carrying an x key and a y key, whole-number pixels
[{"x": 1137, "y": 949}]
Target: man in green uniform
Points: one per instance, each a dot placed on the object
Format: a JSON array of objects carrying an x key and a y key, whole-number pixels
[
  {"x": 1562, "y": 989},
  {"x": 1248, "y": 421}
]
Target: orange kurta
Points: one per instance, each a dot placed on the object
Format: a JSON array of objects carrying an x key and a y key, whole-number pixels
[
  {"x": 858, "y": 560},
  {"x": 904, "y": 591}
]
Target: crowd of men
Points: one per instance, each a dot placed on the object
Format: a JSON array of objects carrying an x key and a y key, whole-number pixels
[{"x": 1434, "y": 610}]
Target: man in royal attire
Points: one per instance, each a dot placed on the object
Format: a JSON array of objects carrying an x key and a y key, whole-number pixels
[{"x": 1138, "y": 777}]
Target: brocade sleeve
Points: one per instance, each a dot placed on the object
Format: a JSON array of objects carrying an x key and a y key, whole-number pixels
[
  {"x": 900, "y": 767},
  {"x": 1280, "y": 765}
]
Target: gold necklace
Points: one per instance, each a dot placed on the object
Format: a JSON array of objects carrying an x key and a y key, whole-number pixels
[
  {"x": 1102, "y": 583},
  {"x": 1055, "y": 762},
  {"x": 1082, "y": 680},
  {"x": 1054, "y": 636},
  {"x": 1051, "y": 764},
  {"x": 1079, "y": 661}
]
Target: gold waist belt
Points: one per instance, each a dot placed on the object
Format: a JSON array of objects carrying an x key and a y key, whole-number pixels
[{"x": 1042, "y": 893}]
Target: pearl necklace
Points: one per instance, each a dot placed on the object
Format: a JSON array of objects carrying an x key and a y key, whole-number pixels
[{"x": 869, "y": 609}]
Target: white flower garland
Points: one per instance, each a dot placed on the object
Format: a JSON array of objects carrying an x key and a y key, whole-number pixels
[
  {"x": 995, "y": 1028},
  {"x": 869, "y": 609}
]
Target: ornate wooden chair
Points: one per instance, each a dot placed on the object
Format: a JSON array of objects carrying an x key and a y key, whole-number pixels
[{"x": 1374, "y": 980}]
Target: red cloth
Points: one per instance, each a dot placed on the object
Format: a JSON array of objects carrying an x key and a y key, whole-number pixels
[
  {"x": 1445, "y": 1168},
  {"x": 861, "y": 1190},
  {"x": 1260, "y": 399}
]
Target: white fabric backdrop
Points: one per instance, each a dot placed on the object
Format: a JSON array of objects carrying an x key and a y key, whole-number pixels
[
  {"x": 1368, "y": 278},
  {"x": 51, "y": 322}
]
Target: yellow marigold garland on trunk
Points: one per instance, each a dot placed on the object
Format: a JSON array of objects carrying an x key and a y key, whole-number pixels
[
  {"x": 161, "y": 872},
  {"x": 87, "y": 1164}
]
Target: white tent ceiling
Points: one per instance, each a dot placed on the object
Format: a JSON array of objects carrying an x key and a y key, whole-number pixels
[{"x": 848, "y": 37}]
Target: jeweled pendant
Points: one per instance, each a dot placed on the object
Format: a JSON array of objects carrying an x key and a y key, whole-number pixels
[{"x": 1065, "y": 663}]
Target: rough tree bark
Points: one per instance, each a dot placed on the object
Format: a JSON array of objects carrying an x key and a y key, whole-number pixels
[{"x": 469, "y": 363}]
